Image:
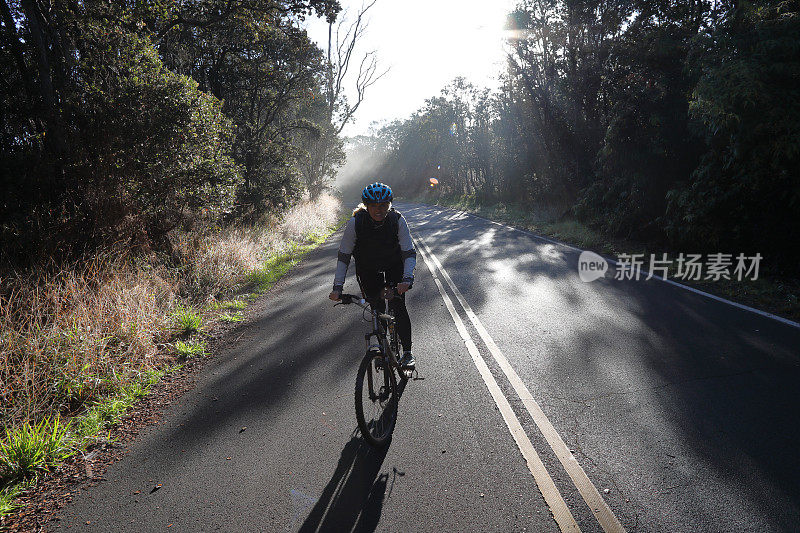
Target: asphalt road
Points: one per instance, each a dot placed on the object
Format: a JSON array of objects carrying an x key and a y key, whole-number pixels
[{"x": 680, "y": 410}]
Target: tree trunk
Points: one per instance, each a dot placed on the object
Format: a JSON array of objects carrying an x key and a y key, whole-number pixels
[{"x": 55, "y": 136}]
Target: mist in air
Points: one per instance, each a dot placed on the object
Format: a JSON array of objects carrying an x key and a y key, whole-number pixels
[{"x": 365, "y": 163}]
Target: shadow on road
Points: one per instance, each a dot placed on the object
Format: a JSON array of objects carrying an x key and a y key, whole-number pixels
[{"x": 353, "y": 498}]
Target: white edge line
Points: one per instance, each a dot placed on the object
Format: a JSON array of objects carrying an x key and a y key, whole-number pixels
[
  {"x": 675, "y": 283},
  {"x": 558, "y": 507}
]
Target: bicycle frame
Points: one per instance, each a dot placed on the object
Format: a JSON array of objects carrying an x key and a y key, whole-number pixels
[
  {"x": 379, "y": 363},
  {"x": 381, "y": 325}
]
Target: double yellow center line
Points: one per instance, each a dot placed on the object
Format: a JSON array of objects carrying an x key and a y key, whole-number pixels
[{"x": 551, "y": 494}]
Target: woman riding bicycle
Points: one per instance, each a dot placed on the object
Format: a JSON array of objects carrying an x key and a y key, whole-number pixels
[{"x": 379, "y": 239}]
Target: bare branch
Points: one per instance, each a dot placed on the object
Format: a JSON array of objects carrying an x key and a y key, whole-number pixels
[
  {"x": 345, "y": 42},
  {"x": 342, "y": 42},
  {"x": 367, "y": 76}
]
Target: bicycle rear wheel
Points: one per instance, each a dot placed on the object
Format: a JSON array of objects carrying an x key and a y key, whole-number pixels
[{"x": 376, "y": 400}]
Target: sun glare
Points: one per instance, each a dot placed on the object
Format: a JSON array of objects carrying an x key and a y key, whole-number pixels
[{"x": 425, "y": 45}]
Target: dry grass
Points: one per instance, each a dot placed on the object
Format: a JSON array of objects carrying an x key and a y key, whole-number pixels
[
  {"x": 72, "y": 335},
  {"x": 309, "y": 219}
]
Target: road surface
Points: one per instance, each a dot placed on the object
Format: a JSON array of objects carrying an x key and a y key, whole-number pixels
[{"x": 546, "y": 404}]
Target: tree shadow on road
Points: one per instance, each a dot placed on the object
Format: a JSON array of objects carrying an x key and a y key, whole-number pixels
[{"x": 353, "y": 498}]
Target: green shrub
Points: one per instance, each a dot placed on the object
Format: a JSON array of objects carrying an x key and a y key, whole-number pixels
[
  {"x": 8, "y": 494},
  {"x": 188, "y": 320},
  {"x": 28, "y": 449},
  {"x": 229, "y": 304},
  {"x": 109, "y": 411},
  {"x": 190, "y": 349}
]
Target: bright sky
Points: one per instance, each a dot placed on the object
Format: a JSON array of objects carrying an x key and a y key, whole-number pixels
[{"x": 425, "y": 44}]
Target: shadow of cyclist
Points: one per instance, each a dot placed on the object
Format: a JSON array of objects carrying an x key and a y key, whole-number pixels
[{"x": 353, "y": 498}]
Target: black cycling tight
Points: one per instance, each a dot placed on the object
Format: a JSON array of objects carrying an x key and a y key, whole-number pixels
[{"x": 371, "y": 284}]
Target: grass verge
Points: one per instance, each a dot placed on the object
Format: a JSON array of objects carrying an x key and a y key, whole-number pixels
[{"x": 776, "y": 295}]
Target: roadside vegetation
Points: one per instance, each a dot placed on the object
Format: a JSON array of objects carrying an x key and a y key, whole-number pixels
[
  {"x": 81, "y": 344},
  {"x": 659, "y": 122}
]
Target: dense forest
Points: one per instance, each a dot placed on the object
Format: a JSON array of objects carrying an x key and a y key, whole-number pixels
[
  {"x": 668, "y": 122},
  {"x": 122, "y": 121}
]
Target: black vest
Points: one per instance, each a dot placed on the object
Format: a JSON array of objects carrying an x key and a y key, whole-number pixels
[{"x": 377, "y": 246}]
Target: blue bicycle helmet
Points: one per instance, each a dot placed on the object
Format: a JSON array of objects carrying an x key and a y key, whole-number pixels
[{"x": 376, "y": 193}]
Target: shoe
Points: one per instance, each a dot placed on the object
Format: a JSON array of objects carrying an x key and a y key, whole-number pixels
[{"x": 408, "y": 360}]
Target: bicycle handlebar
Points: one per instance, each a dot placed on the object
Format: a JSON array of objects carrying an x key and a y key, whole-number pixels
[{"x": 353, "y": 299}]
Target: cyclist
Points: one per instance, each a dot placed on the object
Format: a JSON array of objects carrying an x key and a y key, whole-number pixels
[{"x": 379, "y": 239}]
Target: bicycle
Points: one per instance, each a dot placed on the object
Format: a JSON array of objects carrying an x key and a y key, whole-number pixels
[{"x": 376, "y": 403}]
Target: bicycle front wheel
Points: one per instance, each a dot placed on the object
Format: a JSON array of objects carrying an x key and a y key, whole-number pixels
[{"x": 376, "y": 400}]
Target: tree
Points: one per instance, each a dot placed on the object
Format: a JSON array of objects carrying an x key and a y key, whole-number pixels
[
  {"x": 263, "y": 66},
  {"x": 124, "y": 120},
  {"x": 558, "y": 58},
  {"x": 648, "y": 144},
  {"x": 325, "y": 148},
  {"x": 744, "y": 194}
]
